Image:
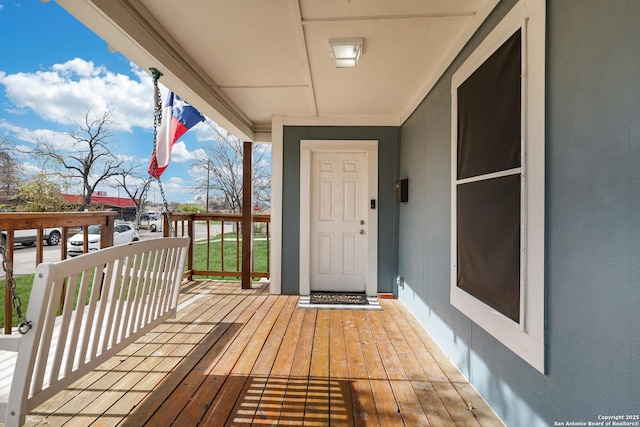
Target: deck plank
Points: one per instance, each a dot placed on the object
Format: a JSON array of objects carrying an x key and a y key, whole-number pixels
[
  {"x": 296, "y": 391},
  {"x": 222, "y": 366},
  {"x": 316, "y": 411},
  {"x": 244, "y": 357},
  {"x": 410, "y": 409},
  {"x": 481, "y": 410},
  {"x": 363, "y": 404},
  {"x": 434, "y": 408},
  {"x": 170, "y": 399},
  {"x": 385, "y": 402},
  {"x": 388, "y": 355},
  {"x": 431, "y": 349},
  {"x": 270, "y": 401},
  {"x": 402, "y": 345},
  {"x": 340, "y": 400},
  {"x": 457, "y": 407},
  {"x": 243, "y": 404},
  {"x": 172, "y": 353}
]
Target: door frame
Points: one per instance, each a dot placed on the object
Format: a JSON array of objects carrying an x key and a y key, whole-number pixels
[{"x": 370, "y": 148}]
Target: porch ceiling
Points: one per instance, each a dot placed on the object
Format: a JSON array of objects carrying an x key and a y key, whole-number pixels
[{"x": 242, "y": 62}]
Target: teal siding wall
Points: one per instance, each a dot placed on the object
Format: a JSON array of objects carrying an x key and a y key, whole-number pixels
[
  {"x": 592, "y": 220},
  {"x": 388, "y": 143}
]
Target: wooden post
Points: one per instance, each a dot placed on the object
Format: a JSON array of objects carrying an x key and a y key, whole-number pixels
[
  {"x": 8, "y": 308},
  {"x": 106, "y": 234},
  {"x": 191, "y": 253},
  {"x": 247, "y": 220}
]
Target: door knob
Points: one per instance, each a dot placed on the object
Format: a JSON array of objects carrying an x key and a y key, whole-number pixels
[{"x": 361, "y": 231}]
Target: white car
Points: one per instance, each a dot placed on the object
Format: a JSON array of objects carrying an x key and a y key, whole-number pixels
[
  {"x": 152, "y": 215},
  {"x": 28, "y": 237},
  {"x": 123, "y": 232}
]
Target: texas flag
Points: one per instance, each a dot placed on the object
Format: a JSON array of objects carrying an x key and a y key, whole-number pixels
[{"x": 177, "y": 118}]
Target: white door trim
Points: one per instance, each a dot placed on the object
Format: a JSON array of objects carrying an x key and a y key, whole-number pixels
[{"x": 370, "y": 148}]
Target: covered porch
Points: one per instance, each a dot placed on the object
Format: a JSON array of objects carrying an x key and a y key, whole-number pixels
[{"x": 242, "y": 356}]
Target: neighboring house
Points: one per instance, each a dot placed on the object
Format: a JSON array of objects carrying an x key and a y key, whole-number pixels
[{"x": 564, "y": 344}]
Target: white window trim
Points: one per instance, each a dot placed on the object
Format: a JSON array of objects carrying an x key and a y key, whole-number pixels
[{"x": 525, "y": 338}]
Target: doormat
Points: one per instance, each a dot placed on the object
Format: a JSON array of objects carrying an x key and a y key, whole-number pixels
[{"x": 338, "y": 298}]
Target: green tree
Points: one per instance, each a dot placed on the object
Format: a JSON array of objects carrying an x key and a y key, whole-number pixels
[
  {"x": 189, "y": 207},
  {"x": 41, "y": 195}
]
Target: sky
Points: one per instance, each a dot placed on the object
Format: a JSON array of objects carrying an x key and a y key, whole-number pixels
[{"x": 53, "y": 70}]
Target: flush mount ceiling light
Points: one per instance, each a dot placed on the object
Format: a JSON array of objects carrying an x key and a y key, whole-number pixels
[{"x": 345, "y": 53}]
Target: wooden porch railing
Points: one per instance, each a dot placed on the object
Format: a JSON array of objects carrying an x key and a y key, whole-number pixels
[
  {"x": 203, "y": 228},
  {"x": 10, "y": 222}
]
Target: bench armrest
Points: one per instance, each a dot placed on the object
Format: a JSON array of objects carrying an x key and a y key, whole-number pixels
[{"x": 9, "y": 342}]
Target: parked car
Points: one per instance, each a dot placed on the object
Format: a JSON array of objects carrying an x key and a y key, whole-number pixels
[
  {"x": 152, "y": 215},
  {"x": 123, "y": 232},
  {"x": 28, "y": 237}
]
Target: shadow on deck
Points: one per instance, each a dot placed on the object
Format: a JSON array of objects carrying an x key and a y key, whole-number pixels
[{"x": 244, "y": 357}]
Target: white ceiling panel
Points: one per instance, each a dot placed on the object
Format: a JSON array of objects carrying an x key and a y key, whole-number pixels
[{"x": 244, "y": 61}]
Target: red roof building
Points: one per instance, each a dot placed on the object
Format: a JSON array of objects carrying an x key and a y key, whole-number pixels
[{"x": 105, "y": 201}]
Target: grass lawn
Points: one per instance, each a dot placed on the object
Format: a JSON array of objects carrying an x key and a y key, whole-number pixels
[
  {"x": 23, "y": 289},
  {"x": 230, "y": 255},
  {"x": 25, "y": 282}
]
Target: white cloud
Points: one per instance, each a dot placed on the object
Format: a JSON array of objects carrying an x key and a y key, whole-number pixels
[
  {"x": 175, "y": 182},
  {"x": 64, "y": 93},
  {"x": 210, "y": 131},
  {"x": 59, "y": 140},
  {"x": 127, "y": 158},
  {"x": 79, "y": 67},
  {"x": 181, "y": 154},
  {"x": 30, "y": 169},
  {"x": 9, "y": 127}
]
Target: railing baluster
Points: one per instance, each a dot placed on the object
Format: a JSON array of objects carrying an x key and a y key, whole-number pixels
[
  {"x": 238, "y": 249},
  {"x": 208, "y": 245},
  {"x": 222, "y": 246},
  {"x": 268, "y": 246},
  {"x": 209, "y": 260},
  {"x": 9, "y": 222}
]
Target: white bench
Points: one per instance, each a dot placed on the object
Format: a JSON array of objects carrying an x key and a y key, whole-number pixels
[{"x": 112, "y": 297}]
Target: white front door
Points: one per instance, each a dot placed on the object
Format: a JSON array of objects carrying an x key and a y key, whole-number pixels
[
  {"x": 338, "y": 221},
  {"x": 338, "y": 216}
]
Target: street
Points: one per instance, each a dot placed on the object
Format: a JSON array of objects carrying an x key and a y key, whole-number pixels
[{"x": 24, "y": 257}]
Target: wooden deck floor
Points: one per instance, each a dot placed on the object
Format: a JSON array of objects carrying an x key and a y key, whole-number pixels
[{"x": 244, "y": 357}]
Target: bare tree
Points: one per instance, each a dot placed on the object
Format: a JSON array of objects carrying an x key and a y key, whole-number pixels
[
  {"x": 10, "y": 171},
  {"x": 88, "y": 158},
  {"x": 135, "y": 185},
  {"x": 221, "y": 165}
]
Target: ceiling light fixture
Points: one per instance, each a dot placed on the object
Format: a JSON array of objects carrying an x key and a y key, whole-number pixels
[{"x": 345, "y": 53}]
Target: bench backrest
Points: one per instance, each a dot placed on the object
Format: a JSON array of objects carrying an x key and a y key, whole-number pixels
[{"x": 110, "y": 298}]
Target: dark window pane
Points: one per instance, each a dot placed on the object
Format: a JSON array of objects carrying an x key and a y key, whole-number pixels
[
  {"x": 488, "y": 224},
  {"x": 489, "y": 114}
]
